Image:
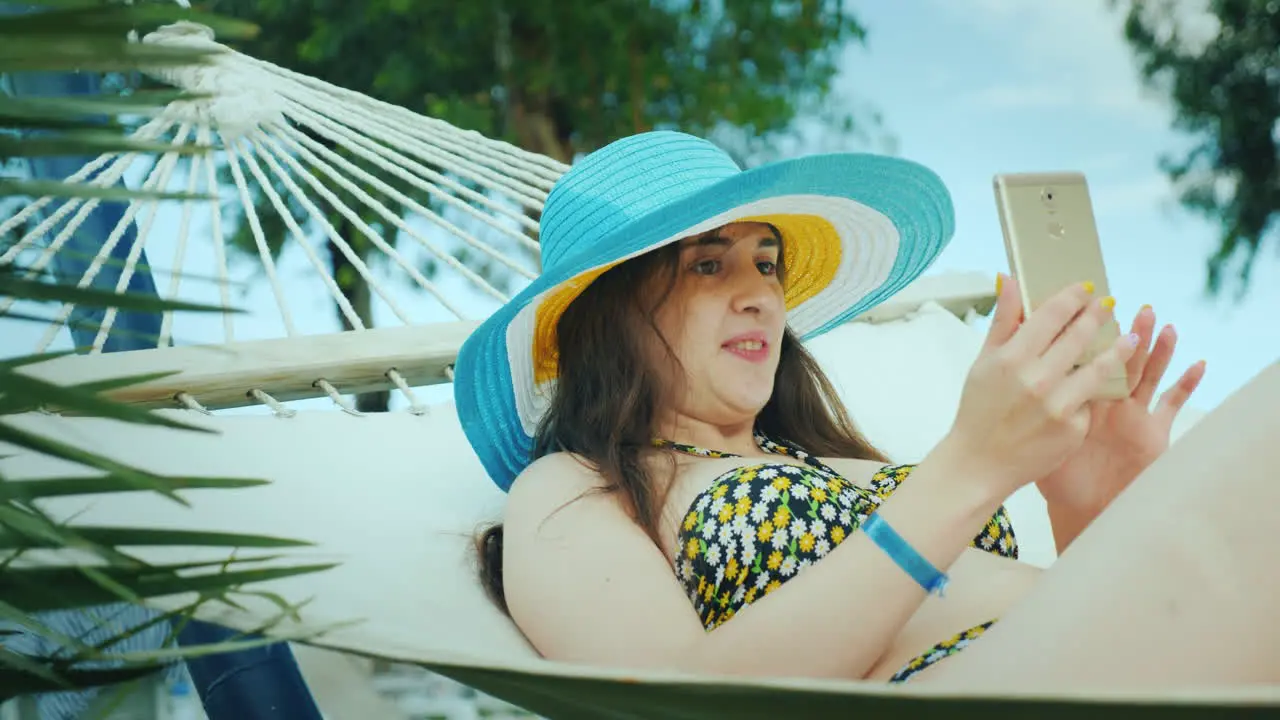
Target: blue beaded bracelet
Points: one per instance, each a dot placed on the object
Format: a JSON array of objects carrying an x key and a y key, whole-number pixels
[{"x": 921, "y": 570}]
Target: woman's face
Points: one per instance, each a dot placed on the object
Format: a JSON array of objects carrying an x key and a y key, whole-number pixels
[{"x": 724, "y": 322}]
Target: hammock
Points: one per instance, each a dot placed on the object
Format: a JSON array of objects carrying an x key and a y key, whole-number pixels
[{"x": 395, "y": 497}]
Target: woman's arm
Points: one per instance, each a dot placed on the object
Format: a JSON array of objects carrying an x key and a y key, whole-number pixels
[
  {"x": 1068, "y": 521},
  {"x": 585, "y": 584}
]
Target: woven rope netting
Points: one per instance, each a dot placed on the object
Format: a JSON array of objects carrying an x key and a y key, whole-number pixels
[{"x": 439, "y": 222}]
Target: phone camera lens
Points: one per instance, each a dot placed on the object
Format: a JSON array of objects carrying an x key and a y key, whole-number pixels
[{"x": 1047, "y": 195}]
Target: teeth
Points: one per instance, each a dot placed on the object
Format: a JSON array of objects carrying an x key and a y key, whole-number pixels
[{"x": 749, "y": 345}]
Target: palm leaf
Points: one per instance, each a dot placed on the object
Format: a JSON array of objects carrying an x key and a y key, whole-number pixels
[
  {"x": 58, "y": 112},
  {"x": 49, "y": 447},
  {"x": 23, "y": 392},
  {"x": 12, "y": 285},
  {"x": 110, "y": 484},
  {"x": 93, "y": 18},
  {"x": 91, "y": 138},
  {"x": 39, "y": 188},
  {"x": 41, "y": 589},
  {"x": 14, "y": 682},
  {"x": 11, "y": 614},
  {"x": 147, "y": 537},
  {"x": 20, "y": 674},
  {"x": 89, "y": 53},
  {"x": 48, "y": 564}
]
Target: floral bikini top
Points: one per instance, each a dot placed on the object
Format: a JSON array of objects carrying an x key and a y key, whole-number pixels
[{"x": 758, "y": 525}]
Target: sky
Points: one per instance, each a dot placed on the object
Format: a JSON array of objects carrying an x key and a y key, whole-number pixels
[
  {"x": 980, "y": 87},
  {"x": 969, "y": 89}
]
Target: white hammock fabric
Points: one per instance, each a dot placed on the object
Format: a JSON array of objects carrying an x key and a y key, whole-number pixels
[{"x": 396, "y": 497}]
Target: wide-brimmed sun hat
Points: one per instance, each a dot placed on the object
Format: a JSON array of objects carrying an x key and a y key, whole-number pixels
[{"x": 856, "y": 228}]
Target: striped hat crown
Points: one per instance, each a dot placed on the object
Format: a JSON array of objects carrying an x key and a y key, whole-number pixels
[
  {"x": 623, "y": 181},
  {"x": 855, "y": 229}
]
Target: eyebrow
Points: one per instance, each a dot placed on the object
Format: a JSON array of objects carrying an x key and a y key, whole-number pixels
[{"x": 715, "y": 239}]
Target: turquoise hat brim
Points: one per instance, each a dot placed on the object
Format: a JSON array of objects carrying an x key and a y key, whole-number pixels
[{"x": 910, "y": 195}]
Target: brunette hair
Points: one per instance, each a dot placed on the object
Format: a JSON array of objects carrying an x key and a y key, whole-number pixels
[{"x": 605, "y": 402}]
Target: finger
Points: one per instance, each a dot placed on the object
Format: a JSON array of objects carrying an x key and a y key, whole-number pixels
[
  {"x": 1049, "y": 320},
  {"x": 1157, "y": 365},
  {"x": 1144, "y": 324},
  {"x": 1066, "y": 351},
  {"x": 1083, "y": 385},
  {"x": 1008, "y": 312},
  {"x": 1173, "y": 399}
]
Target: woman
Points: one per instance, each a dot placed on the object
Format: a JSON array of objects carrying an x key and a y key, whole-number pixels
[{"x": 685, "y": 490}]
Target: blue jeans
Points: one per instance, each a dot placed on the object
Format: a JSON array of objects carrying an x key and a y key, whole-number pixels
[{"x": 247, "y": 685}]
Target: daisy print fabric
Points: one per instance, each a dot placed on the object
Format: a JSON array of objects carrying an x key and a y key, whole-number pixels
[{"x": 759, "y": 525}]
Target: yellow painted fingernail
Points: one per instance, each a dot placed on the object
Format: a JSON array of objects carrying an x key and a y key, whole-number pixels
[
  {"x": 1107, "y": 302},
  {"x": 999, "y": 282},
  {"x": 1144, "y": 308},
  {"x": 1088, "y": 286}
]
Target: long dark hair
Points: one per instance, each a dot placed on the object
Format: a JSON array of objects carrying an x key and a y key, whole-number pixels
[{"x": 605, "y": 403}]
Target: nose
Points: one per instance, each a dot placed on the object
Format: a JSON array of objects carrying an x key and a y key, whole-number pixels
[{"x": 754, "y": 292}]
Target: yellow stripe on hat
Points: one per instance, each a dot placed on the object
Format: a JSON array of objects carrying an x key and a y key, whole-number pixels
[
  {"x": 546, "y": 353},
  {"x": 811, "y": 252}
]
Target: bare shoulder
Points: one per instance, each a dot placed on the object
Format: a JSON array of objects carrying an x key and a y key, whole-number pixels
[
  {"x": 574, "y": 562},
  {"x": 551, "y": 476},
  {"x": 550, "y": 484}
]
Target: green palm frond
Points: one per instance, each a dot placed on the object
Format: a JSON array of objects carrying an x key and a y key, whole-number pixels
[{"x": 47, "y": 563}]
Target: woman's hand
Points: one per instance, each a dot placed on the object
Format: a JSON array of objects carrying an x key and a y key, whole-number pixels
[
  {"x": 1024, "y": 410},
  {"x": 1125, "y": 435}
]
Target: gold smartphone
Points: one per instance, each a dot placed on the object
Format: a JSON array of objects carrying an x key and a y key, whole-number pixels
[{"x": 1051, "y": 240}]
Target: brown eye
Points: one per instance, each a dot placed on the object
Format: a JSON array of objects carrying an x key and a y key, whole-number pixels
[
  {"x": 767, "y": 267},
  {"x": 706, "y": 267}
]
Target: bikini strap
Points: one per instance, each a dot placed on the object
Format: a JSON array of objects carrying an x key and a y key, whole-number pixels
[
  {"x": 763, "y": 442},
  {"x": 691, "y": 449},
  {"x": 795, "y": 452}
]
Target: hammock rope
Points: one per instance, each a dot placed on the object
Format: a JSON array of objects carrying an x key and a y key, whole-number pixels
[
  {"x": 465, "y": 202},
  {"x": 294, "y": 143}
]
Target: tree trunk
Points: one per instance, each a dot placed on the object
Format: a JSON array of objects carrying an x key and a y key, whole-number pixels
[
  {"x": 537, "y": 131},
  {"x": 530, "y": 119},
  {"x": 356, "y": 289}
]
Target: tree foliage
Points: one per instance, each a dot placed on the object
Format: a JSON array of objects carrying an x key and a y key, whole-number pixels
[
  {"x": 559, "y": 78},
  {"x": 1226, "y": 95}
]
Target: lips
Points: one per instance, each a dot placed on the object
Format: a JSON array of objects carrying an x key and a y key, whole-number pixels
[{"x": 752, "y": 346}]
